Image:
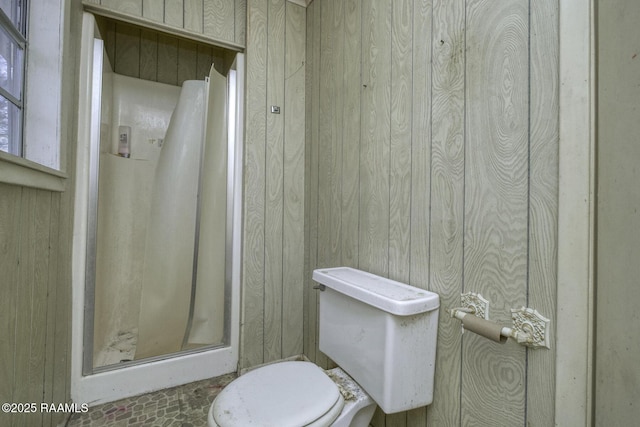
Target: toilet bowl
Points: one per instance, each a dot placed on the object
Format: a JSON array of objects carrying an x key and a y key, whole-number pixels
[
  {"x": 381, "y": 332},
  {"x": 292, "y": 394}
]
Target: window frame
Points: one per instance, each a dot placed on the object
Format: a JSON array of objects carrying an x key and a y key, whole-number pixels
[
  {"x": 42, "y": 161},
  {"x": 18, "y": 36}
]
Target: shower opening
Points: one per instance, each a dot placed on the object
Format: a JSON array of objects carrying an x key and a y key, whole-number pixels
[{"x": 162, "y": 207}]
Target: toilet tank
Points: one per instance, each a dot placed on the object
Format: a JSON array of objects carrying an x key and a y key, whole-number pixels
[{"x": 382, "y": 333}]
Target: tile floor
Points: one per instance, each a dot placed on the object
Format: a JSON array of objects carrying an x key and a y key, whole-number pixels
[{"x": 182, "y": 406}]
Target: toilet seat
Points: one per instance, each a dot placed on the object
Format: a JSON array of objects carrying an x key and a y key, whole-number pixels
[{"x": 282, "y": 394}]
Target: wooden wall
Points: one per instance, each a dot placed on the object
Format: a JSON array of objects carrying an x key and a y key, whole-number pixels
[
  {"x": 617, "y": 346},
  {"x": 152, "y": 55},
  {"x": 222, "y": 21},
  {"x": 273, "y": 234},
  {"x": 35, "y": 261},
  {"x": 34, "y": 306},
  {"x": 431, "y": 158}
]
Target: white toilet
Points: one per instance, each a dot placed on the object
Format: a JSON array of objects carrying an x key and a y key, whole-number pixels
[{"x": 380, "y": 332}]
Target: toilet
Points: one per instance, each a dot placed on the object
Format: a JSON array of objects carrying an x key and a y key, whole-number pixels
[{"x": 381, "y": 334}]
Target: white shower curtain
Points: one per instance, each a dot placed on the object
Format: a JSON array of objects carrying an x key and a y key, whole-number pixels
[
  {"x": 171, "y": 236},
  {"x": 168, "y": 269},
  {"x": 208, "y": 316}
]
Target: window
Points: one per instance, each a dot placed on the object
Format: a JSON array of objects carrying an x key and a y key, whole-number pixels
[
  {"x": 32, "y": 48},
  {"x": 13, "y": 45}
]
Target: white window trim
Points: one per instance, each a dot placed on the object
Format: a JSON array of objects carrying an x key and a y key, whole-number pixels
[{"x": 42, "y": 163}]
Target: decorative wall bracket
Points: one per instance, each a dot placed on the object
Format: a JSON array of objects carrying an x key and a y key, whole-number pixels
[
  {"x": 475, "y": 304},
  {"x": 530, "y": 327}
]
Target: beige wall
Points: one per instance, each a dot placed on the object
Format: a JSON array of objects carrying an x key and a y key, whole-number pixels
[
  {"x": 617, "y": 375},
  {"x": 159, "y": 57},
  {"x": 219, "y": 22},
  {"x": 432, "y": 159},
  {"x": 273, "y": 237}
]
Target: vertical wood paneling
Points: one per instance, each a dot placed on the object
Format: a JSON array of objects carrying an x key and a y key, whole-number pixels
[
  {"x": 374, "y": 155},
  {"x": 543, "y": 201},
  {"x": 293, "y": 215},
  {"x": 148, "y": 55},
  {"x": 254, "y": 186},
  {"x": 61, "y": 316},
  {"x": 167, "y": 60},
  {"x": 194, "y": 15},
  {"x": 326, "y": 134},
  {"x": 129, "y": 7},
  {"x": 22, "y": 344},
  {"x": 240, "y": 22},
  {"x": 219, "y": 19},
  {"x": 326, "y": 252},
  {"x": 174, "y": 13},
  {"x": 420, "y": 151},
  {"x": 29, "y": 248},
  {"x": 153, "y": 9},
  {"x": 127, "y": 50},
  {"x": 334, "y": 16},
  {"x": 447, "y": 199},
  {"x": 312, "y": 175},
  {"x": 273, "y": 218},
  {"x": 274, "y": 248},
  {"x": 156, "y": 56},
  {"x": 187, "y": 61},
  {"x": 40, "y": 278},
  {"x": 496, "y": 197},
  {"x": 400, "y": 140},
  {"x": 51, "y": 321},
  {"x": 10, "y": 214},
  {"x": 400, "y": 153},
  {"x": 448, "y": 139},
  {"x": 203, "y": 61},
  {"x": 352, "y": 86}
]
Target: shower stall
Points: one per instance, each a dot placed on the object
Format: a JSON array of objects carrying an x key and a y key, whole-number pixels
[{"x": 156, "y": 277}]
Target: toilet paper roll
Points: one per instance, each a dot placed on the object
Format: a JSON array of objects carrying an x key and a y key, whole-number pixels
[{"x": 485, "y": 328}]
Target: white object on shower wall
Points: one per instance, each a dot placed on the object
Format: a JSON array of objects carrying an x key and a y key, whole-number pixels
[
  {"x": 124, "y": 141},
  {"x": 145, "y": 107}
]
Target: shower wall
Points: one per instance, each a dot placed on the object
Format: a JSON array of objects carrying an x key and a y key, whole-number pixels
[{"x": 124, "y": 201}]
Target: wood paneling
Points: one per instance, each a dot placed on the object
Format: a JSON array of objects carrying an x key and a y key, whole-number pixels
[
  {"x": 219, "y": 19},
  {"x": 221, "y": 22},
  {"x": 496, "y": 203},
  {"x": 253, "y": 239},
  {"x": 274, "y": 196},
  {"x": 151, "y": 9},
  {"x": 151, "y": 55},
  {"x": 33, "y": 351},
  {"x": 616, "y": 376},
  {"x": 543, "y": 201},
  {"x": 273, "y": 215},
  {"x": 454, "y": 170},
  {"x": 293, "y": 185},
  {"x": 375, "y": 116},
  {"x": 312, "y": 91},
  {"x": 446, "y": 235}
]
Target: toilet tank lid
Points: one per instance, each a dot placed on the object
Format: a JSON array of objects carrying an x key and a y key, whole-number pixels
[{"x": 386, "y": 294}]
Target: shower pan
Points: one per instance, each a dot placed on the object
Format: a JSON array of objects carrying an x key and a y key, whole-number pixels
[{"x": 157, "y": 243}]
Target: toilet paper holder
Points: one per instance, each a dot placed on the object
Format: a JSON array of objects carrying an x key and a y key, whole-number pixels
[{"x": 530, "y": 328}]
